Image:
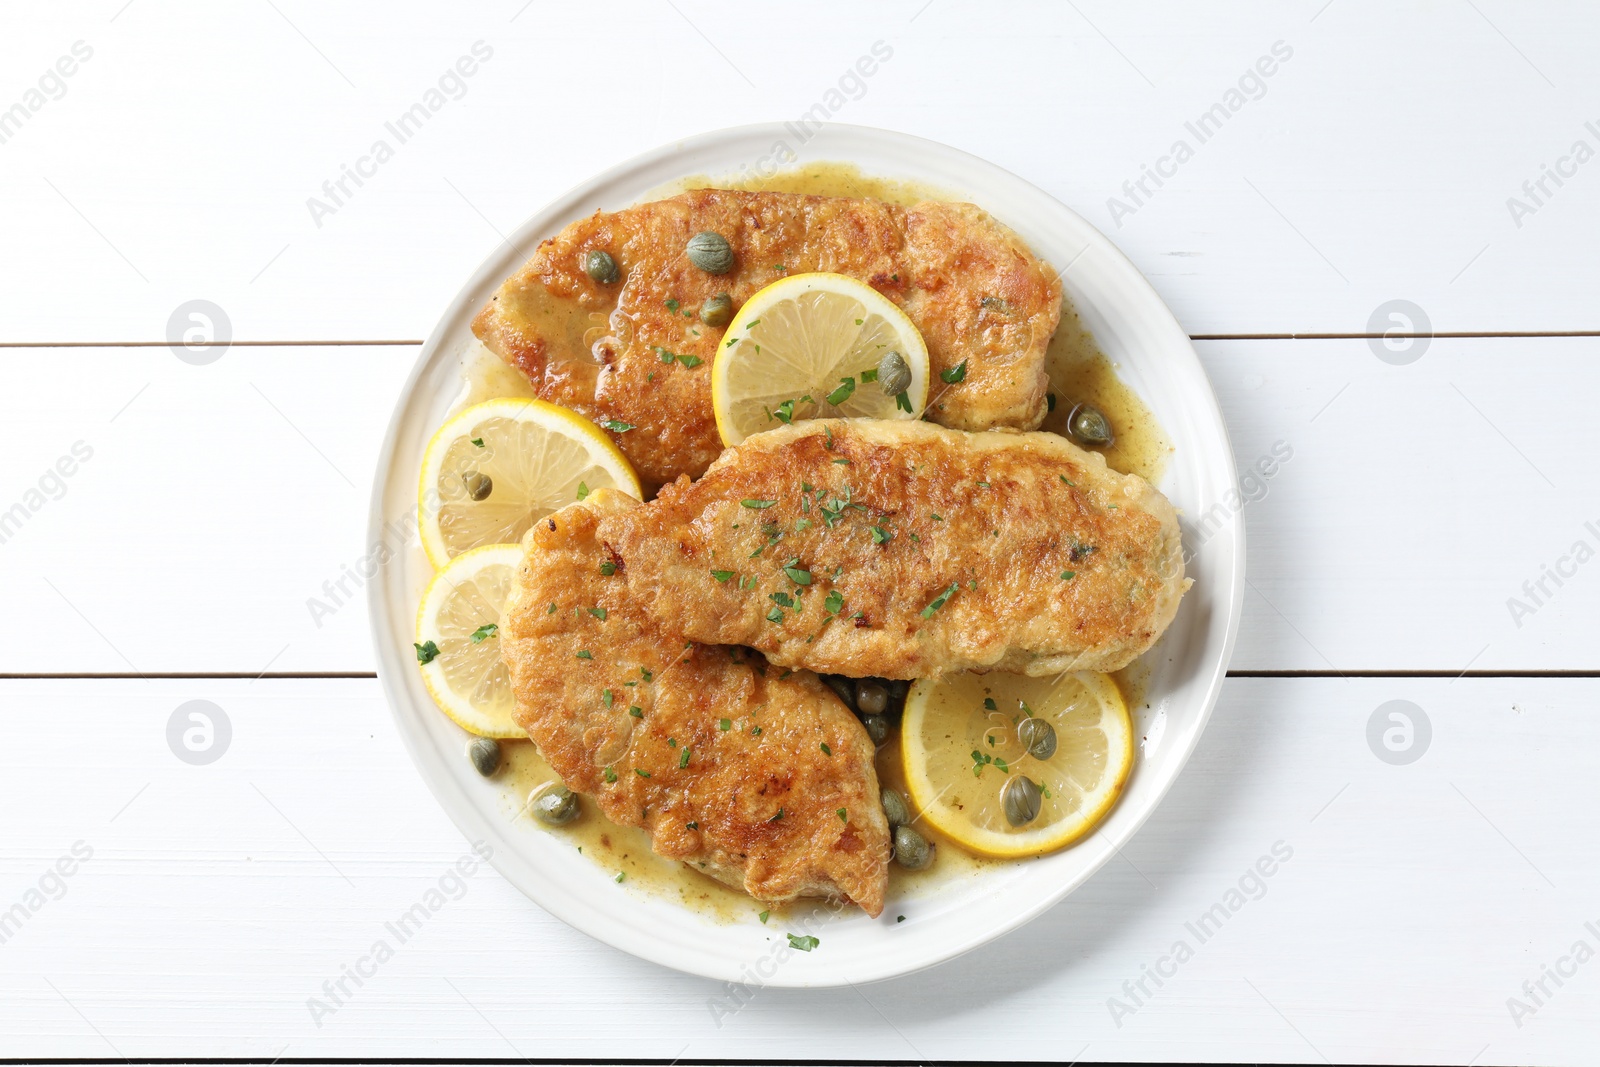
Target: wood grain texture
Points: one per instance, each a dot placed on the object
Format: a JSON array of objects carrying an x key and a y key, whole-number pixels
[
  {"x": 219, "y": 525},
  {"x": 1376, "y": 162},
  {"x": 1414, "y": 900}
]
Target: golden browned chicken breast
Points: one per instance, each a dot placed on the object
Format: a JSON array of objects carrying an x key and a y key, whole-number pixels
[
  {"x": 757, "y": 776},
  {"x": 905, "y": 550},
  {"x": 970, "y": 285}
]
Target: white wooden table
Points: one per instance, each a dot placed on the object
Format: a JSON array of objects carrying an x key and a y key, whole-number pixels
[{"x": 205, "y": 505}]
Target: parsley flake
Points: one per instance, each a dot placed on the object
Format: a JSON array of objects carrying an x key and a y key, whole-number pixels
[
  {"x": 722, "y": 576},
  {"x": 426, "y": 652},
  {"x": 583, "y": 490},
  {"x": 758, "y": 505},
  {"x": 939, "y": 601},
  {"x": 846, "y": 387},
  {"x": 617, "y": 425},
  {"x": 954, "y": 374},
  {"x": 804, "y": 944}
]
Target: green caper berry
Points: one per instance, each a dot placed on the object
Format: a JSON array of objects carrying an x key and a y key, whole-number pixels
[
  {"x": 479, "y": 485},
  {"x": 600, "y": 266},
  {"x": 872, "y": 698},
  {"x": 717, "y": 311},
  {"x": 1038, "y": 737},
  {"x": 710, "y": 252},
  {"x": 1020, "y": 798},
  {"x": 911, "y": 850},
  {"x": 1088, "y": 426},
  {"x": 894, "y": 375},
  {"x": 555, "y": 805},
  {"x": 484, "y": 752},
  {"x": 895, "y": 808},
  {"x": 843, "y": 688},
  {"x": 877, "y": 728},
  {"x": 899, "y": 689}
]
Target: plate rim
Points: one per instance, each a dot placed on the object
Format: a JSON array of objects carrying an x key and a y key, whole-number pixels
[{"x": 474, "y": 823}]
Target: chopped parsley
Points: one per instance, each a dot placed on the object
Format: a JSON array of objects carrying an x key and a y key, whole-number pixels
[
  {"x": 880, "y": 536},
  {"x": 954, "y": 374},
  {"x": 683, "y": 760},
  {"x": 844, "y": 816},
  {"x": 1067, "y": 576},
  {"x": 635, "y": 710},
  {"x": 642, "y": 773},
  {"x": 763, "y": 916},
  {"x": 484, "y": 632},
  {"x": 725, "y": 724},
  {"x": 804, "y": 944},
  {"x": 989, "y": 704},
  {"x": 672, "y": 305},
  {"x": 1063, "y": 477},
  {"x": 584, "y": 653},
  {"x": 621, "y": 877},
  {"x": 826, "y": 751},
  {"x": 692, "y": 825},
  {"x": 833, "y": 602},
  {"x": 758, "y": 505},
  {"x": 797, "y": 574},
  {"x": 583, "y": 490},
  {"x": 775, "y": 615},
  {"x": 617, "y": 425},
  {"x": 610, "y": 775},
  {"x": 606, "y": 698},
  {"x": 426, "y": 652},
  {"x": 599, "y": 613},
  {"x": 722, "y": 576},
  {"x": 846, "y": 387},
  {"x": 776, "y": 817},
  {"x": 608, "y": 568},
  {"x": 478, "y": 441},
  {"x": 902, "y": 401},
  {"x": 551, "y": 610},
  {"x": 939, "y": 601}
]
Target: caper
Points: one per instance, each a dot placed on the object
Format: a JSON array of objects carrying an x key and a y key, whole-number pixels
[
  {"x": 1087, "y": 426},
  {"x": 717, "y": 311},
  {"x": 843, "y": 687},
  {"x": 872, "y": 698},
  {"x": 1038, "y": 737},
  {"x": 600, "y": 266},
  {"x": 877, "y": 728},
  {"x": 894, "y": 375},
  {"x": 911, "y": 850},
  {"x": 484, "y": 752},
  {"x": 1020, "y": 799},
  {"x": 554, "y": 804},
  {"x": 711, "y": 252},
  {"x": 899, "y": 688},
  {"x": 479, "y": 485},
  {"x": 895, "y": 808}
]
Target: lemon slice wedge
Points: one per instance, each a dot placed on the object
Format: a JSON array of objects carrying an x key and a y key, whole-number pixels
[
  {"x": 808, "y": 347},
  {"x": 964, "y": 742},
  {"x": 458, "y": 640},
  {"x": 497, "y": 467}
]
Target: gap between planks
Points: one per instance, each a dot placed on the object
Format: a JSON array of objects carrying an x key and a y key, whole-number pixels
[
  {"x": 1193, "y": 337},
  {"x": 15, "y": 676}
]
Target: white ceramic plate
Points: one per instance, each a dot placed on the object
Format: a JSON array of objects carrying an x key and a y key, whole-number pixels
[{"x": 1153, "y": 356}]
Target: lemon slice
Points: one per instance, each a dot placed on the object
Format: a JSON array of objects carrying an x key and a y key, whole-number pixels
[
  {"x": 465, "y": 676},
  {"x": 797, "y": 350},
  {"x": 960, "y": 723},
  {"x": 536, "y": 457}
]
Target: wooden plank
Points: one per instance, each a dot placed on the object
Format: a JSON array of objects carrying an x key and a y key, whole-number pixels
[
  {"x": 1376, "y": 161},
  {"x": 1414, "y": 900},
  {"x": 222, "y": 501}
]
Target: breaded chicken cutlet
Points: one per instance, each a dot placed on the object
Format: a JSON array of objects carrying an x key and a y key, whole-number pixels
[
  {"x": 758, "y": 777},
  {"x": 973, "y": 289},
  {"x": 905, "y": 550}
]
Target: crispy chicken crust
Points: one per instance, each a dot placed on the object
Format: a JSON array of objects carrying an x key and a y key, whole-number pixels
[
  {"x": 783, "y": 803},
  {"x": 904, "y": 550},
  {"x": 969, "y": 284}
]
